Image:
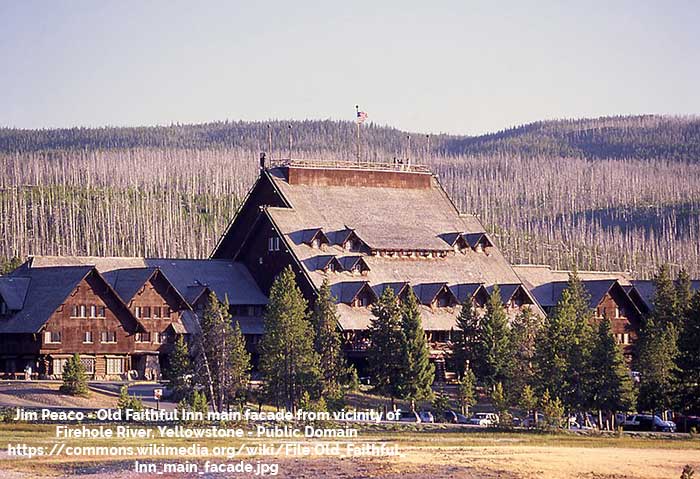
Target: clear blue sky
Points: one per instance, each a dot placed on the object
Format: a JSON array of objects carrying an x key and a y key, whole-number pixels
[{"x": 429, "y": 66}]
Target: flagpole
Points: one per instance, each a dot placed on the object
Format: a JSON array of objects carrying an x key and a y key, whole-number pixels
[{"x": 357, "y": 122}]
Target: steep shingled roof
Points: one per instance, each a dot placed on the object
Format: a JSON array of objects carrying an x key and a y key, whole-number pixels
[
  {"x": 189, "y": 276},
  {"x": 48, "y": 289},
  {"x": 13, "y": 291},
  {"x": 386, "y": 219}
]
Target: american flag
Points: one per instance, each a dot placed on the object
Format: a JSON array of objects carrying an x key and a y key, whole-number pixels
[{"x": 361, "y": 117}]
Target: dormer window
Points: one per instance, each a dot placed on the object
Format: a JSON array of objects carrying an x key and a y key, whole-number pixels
[
  {"x": 316, "y": 243},
  {"x": 331, "y": 267}
]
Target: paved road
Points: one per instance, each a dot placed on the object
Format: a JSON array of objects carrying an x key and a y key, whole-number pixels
[{"x": 142, "y": 390}]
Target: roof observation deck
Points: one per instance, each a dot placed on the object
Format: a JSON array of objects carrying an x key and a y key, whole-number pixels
[{"x": 398, "y": 174}]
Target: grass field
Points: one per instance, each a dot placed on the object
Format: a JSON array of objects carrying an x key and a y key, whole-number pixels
[{"x": 423, "y": 455}]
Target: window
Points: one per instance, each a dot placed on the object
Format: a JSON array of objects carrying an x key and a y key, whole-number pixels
[
  {"x": 100, "y": 311},
  {"x": 156, "y": 311},
  {"x": 617, "y": 312},
  {"x": 316, "y": 243},
  {"x": 75, "y": 311},
  {"x": 273, "y": 243},
  {"x": 83, "y": 311},
  {"x": 137, "y": 311},
  {"x": 166, "y": 312},
  {"x": 146, "y": 311},
  {"x": 3, "y": 307},
  {"x": 93, "y": 311},
  {"x": 115, "y": 365},
  {"x": 625, "y": 338},
  {"x": 87, "y": 337},
  {"x": 108, "y": 337},
  {"x": 88, "y": 364},
  {"x": 58, "y": 364},
  {"x": 52, "y": 337},
  {"x": 157, "y": 338},
  {"x": 143, "y": 337}
]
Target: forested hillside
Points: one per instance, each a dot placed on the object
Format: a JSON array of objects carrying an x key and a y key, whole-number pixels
[{"x": 609, "y": 193}]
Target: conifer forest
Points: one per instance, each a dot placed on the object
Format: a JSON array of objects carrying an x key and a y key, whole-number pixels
[{"x": 615, "y": 193}]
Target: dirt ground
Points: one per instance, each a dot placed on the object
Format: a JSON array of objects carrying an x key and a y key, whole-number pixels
[
  {"x": 33, "y": 394},
  {"x": 426, "y": 462}
]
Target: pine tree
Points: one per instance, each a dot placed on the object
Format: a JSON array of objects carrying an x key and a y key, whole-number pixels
[
  {"x": 74, "y": 377},
  {"x": 524, "y": 332},
  {"x": 224, "y": 347},
  {"x": 238, "y": 371},
  {"x": 578, "y": 395},
  {"x": 385, "y": 353},
  {"x": 563, "y": 356},
  {"x": 611, "y": 383},
  {"x": 288, "y": 361},
  {"x": 494, "y": 354},
  {"x": 465, "y": 339},
  {"x": 466, "y": 392},
  {"x": 688, "y": 361},
  {"x": 552, "y": 410},
  {"x": 180, "y": 371},
  {"x": 684, "y": 296},
  {"x": 658, "y": 347},
  {"x": 420, "y": 373},
  {"x": 528, "y": 402},
  {"x": 328, "y": 342},
  {"x": 501, "y": 404}
]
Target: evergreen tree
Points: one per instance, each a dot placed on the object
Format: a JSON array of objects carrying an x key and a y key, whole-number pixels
[
  {"x": 563, "y": 356},
  {"x": 688, "y": 361},
  {"x": 180, "y": 371},
  {"x": 579, "y": 370},
  {"x": 524, "y": 332},
  {"x": 74, "y": 377},
  {"x": 501, "y": 404},
  {"x": 386, "y": 346},
  {"x": 465, "y": 339},
  {"x": 420, "y": 373},
  {"x": 552, "y": 410},
  {"x": 328, "y": 342},
  {"x": 658, "y": 346},
  {"x": 494, "y": 359},
  {"x": 684, "y": 296},
  {"x": 238, "y": 371},
  {"x": 128, "y": 402},
  {"x": 224, "y": 347},
  {"x": 288, "y": 361},
  {"x": 611, "y": 383},
  {"x": 665, "y": 301},
  {"x": 466, "y": 392},
  {"x": 528, "y": 402}
]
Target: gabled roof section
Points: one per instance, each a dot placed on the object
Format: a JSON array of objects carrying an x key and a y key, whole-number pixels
[
  {"x": 127, "y": 282},
  {"x": 399, "y": 288},
  {"x": 596, "y": 289},
  {"x": 466, "y": 291},
  {"x": 454, "y": 239},
  {"x": 348, "y": 263},
  {"x": 13, "y": 290},
  {"x": 308, "y": 236},
  {"x": 347, "y": 291},
  {"x": 48, "y": 289},
  {"x": 322, "y": 262},
  {"x": 473, "y": 239},
  {"x": 508, "y": 291},
  {"x": 427, "y": 293},
  {"x": 189, "y": 276}
]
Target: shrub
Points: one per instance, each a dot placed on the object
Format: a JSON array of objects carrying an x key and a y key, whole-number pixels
[{"x": 74, "y": 378}]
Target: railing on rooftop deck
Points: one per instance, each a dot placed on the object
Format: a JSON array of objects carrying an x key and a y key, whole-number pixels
[{"x": 354, "y": 165}]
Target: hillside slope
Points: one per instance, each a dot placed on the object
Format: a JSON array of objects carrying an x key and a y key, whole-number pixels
[{"x": 608, "y": 193}]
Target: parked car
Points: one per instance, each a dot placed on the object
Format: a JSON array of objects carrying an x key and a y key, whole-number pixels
[
  {"x": 687, "y": 423},
  {"x": 647, "y": 422},
  {"x": 484, "y": 419},
  {"x": 455, "y": 418},
  {"x": 530, "y": 420},
  {"x": 426, "y": 416}
]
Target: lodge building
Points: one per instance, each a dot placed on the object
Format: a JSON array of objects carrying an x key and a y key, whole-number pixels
[{"x": 362, "y": 227}]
